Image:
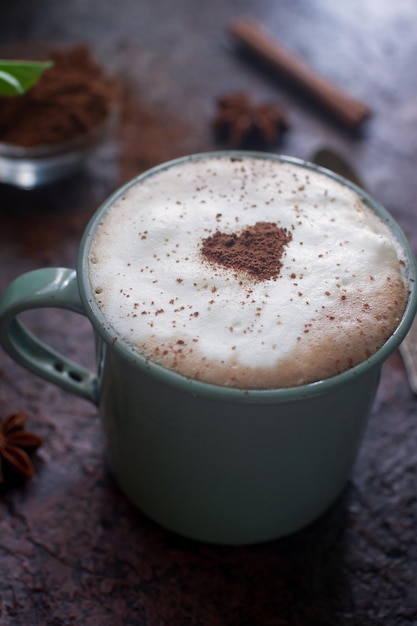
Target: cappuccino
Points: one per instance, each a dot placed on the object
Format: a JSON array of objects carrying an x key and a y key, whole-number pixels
[{"x": 247, "y": 272}]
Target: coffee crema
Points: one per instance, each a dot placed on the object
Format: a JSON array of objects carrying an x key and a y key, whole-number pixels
[{"x": 247, "y": 272}]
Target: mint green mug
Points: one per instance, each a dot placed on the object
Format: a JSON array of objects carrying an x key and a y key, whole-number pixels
[{"x": 213, "y": 463}]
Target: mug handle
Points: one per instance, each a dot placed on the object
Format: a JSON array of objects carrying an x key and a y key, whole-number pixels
[{"x": 44, "y": 288}]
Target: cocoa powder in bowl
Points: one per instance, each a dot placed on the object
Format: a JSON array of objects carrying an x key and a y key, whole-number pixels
[{"x": 71, "y": 99}]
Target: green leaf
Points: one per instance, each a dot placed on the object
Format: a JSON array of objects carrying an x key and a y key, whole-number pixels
[{"x": 17, "y": 77}]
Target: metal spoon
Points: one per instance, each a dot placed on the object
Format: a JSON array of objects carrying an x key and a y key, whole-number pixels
[{"x": 408, "y": 348}]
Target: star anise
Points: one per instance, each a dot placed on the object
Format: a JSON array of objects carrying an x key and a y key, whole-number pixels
[
  {"x": 244, "y": 124},
  {"x": 15, "y": 445}
]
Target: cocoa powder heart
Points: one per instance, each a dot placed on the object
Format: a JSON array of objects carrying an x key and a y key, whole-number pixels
[{"x": 257, "y": 250}]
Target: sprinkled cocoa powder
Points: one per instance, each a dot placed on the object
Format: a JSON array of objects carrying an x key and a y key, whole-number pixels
[{"x": 256, "y": 251}]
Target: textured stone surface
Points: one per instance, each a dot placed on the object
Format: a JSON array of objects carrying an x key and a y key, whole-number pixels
[{"x": 72, "y": 549}]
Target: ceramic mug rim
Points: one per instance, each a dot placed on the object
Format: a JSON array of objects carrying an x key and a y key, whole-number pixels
[{"x": 219, "y": 392}]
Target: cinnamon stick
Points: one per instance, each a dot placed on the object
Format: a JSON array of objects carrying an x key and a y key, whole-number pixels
[{"x": 347, "y": 110}]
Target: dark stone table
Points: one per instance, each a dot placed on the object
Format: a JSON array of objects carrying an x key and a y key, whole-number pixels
[{"x": 73, "y": 551}]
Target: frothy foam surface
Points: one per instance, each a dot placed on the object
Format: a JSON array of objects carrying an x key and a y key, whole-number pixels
[{"x": 339, "y": 294}]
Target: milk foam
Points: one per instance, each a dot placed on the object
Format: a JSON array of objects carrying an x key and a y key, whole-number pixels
[{"x": 339, "y": 296}]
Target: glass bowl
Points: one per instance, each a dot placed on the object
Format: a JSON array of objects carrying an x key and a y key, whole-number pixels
[{"x": 32, "y": 167}]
